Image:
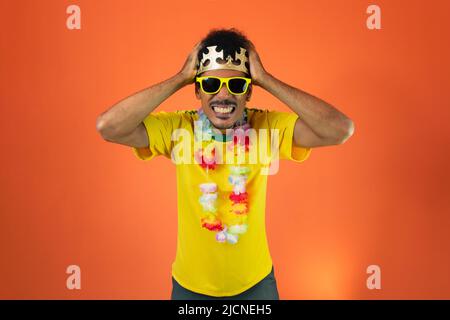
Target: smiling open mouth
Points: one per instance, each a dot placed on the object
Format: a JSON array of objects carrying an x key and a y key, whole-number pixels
[{"x": 223, "y": 111}]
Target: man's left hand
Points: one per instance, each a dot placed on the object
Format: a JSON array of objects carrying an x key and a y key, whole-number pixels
[{"x": 257, "y": 70}]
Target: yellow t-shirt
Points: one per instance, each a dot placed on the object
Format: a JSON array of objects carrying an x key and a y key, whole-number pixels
[{"x": 202, "y": 264}]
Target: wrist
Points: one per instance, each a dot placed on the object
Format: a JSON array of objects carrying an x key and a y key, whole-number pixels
[
  {"x": 263, "y": 79},
  {"x": 184, "y": 79}
]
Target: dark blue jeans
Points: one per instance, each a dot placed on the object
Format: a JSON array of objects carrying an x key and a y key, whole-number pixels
[{"x": 266, "y": 289}]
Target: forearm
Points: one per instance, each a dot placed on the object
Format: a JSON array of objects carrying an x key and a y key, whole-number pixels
[
  {"x": 125, "y": 116},
  {"x": 325, "y": 120}
]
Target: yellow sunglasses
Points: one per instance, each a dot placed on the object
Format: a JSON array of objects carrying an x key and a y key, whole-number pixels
[{"x": 235, "y": 85}]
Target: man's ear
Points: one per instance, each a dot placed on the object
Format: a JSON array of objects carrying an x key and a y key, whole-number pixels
[
  {"x": 197, "y": 92},
  {"x": 249, "y": 92}
]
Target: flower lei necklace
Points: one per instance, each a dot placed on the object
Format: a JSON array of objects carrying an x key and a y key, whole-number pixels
[{"x": 227, "y": 227}]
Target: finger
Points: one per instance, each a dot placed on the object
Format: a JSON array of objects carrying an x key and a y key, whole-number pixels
[{"x": 197, "y": 46}]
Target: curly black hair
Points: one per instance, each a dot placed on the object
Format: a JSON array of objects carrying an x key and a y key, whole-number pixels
[{"x": 228, "y": 40}]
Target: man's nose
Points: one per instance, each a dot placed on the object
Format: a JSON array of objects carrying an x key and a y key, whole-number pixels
[{"x": 223, "y": 92}]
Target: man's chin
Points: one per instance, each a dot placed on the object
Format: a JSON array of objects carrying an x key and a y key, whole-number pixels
[{"x": 223, "y": 124}]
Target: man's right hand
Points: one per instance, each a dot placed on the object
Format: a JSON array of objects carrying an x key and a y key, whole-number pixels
[
  {"x": 189, "y": 70},
  {"x": 123, "y": 122}
]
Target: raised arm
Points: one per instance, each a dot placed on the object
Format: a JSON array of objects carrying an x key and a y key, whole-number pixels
[
  {"x": 123, "y": 122},
  {"x": 319, "y": 123}
]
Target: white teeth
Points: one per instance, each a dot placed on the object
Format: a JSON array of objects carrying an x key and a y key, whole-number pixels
[{"x": 223, "y": 109}]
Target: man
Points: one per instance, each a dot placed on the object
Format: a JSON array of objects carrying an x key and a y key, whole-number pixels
[{"x": 222, "y": 250}]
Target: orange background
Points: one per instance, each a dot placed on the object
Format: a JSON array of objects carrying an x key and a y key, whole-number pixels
[{"x": 68, "y": 197}]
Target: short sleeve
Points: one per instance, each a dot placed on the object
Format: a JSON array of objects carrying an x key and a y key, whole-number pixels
[
  {"x": 285, "y": 123},
  {"x": 159, "y": 127}
]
